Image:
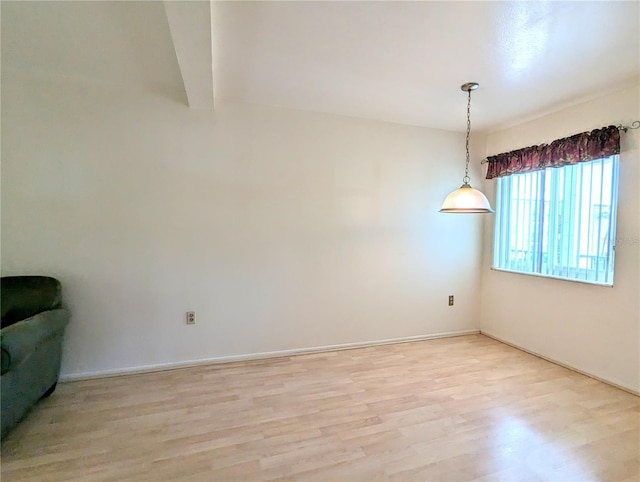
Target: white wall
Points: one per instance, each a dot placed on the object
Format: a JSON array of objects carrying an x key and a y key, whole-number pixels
[
  {"x": 595, "y": 329},
  {"x": 281, "y": 229}
]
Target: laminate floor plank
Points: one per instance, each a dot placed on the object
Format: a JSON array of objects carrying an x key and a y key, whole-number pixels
[{"x": 464, "y": 408}]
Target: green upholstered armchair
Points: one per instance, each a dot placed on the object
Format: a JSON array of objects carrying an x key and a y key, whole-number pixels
[{"x": 33, "y": 323}]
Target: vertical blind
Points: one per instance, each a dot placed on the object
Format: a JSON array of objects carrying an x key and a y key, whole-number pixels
[{"x": 559, "y": 222}]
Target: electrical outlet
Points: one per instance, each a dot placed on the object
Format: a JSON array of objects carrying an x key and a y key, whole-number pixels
[
  {"x": 450, "y": 300},
  {"x": 191, "y": 317}
]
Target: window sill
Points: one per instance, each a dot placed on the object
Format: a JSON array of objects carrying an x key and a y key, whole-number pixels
[{"x": 537, "y": 275}]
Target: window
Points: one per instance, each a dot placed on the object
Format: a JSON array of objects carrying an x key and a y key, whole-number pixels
[{"x": 559, "y": 222}]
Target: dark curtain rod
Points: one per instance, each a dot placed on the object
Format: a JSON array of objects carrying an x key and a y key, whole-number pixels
[
  {"x": 621, "y": 128},
  {"x": 634, "y": 125}
]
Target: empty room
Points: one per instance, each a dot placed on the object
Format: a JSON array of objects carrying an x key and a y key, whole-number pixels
[{"x": 339, "y": 241}]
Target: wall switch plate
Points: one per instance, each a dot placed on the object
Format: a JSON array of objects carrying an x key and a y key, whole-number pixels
[
  {"x": 450, "y": 300},
  {"x": 191, "y": 317}
]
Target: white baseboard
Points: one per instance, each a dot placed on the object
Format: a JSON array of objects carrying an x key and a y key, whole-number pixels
[
  {"x": 562, "y": 364},
  {"x": 255, "y": 356}
]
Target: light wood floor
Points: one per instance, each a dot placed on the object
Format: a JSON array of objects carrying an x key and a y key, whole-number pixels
[{"x": 466, "y": 408}]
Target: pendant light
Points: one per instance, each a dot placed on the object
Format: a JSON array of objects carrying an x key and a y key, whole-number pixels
[{"x": 466, "y": 199}]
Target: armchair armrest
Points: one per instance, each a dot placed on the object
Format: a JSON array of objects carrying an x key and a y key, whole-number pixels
[{"x": 20, "y": 339}]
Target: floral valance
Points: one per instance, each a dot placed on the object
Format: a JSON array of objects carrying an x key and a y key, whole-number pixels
[{"x": 583, "y": 147}]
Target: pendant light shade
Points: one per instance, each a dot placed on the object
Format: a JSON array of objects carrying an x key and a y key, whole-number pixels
[{"x": 466, "y": 199}]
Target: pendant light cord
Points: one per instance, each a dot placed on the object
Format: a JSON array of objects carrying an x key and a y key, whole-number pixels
[{"x": 466, "y": 178}]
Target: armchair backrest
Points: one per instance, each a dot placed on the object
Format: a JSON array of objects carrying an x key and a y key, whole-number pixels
[{"x": 25, "y": 296}]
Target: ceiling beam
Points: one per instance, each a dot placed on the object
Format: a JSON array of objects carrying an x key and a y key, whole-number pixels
[{"x": 190, "y": 26}]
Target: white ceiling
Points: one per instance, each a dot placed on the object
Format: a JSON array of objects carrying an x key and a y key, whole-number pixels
[
  {"x": 123, "y": 43},
  {"x": 395, "y": 61}
]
